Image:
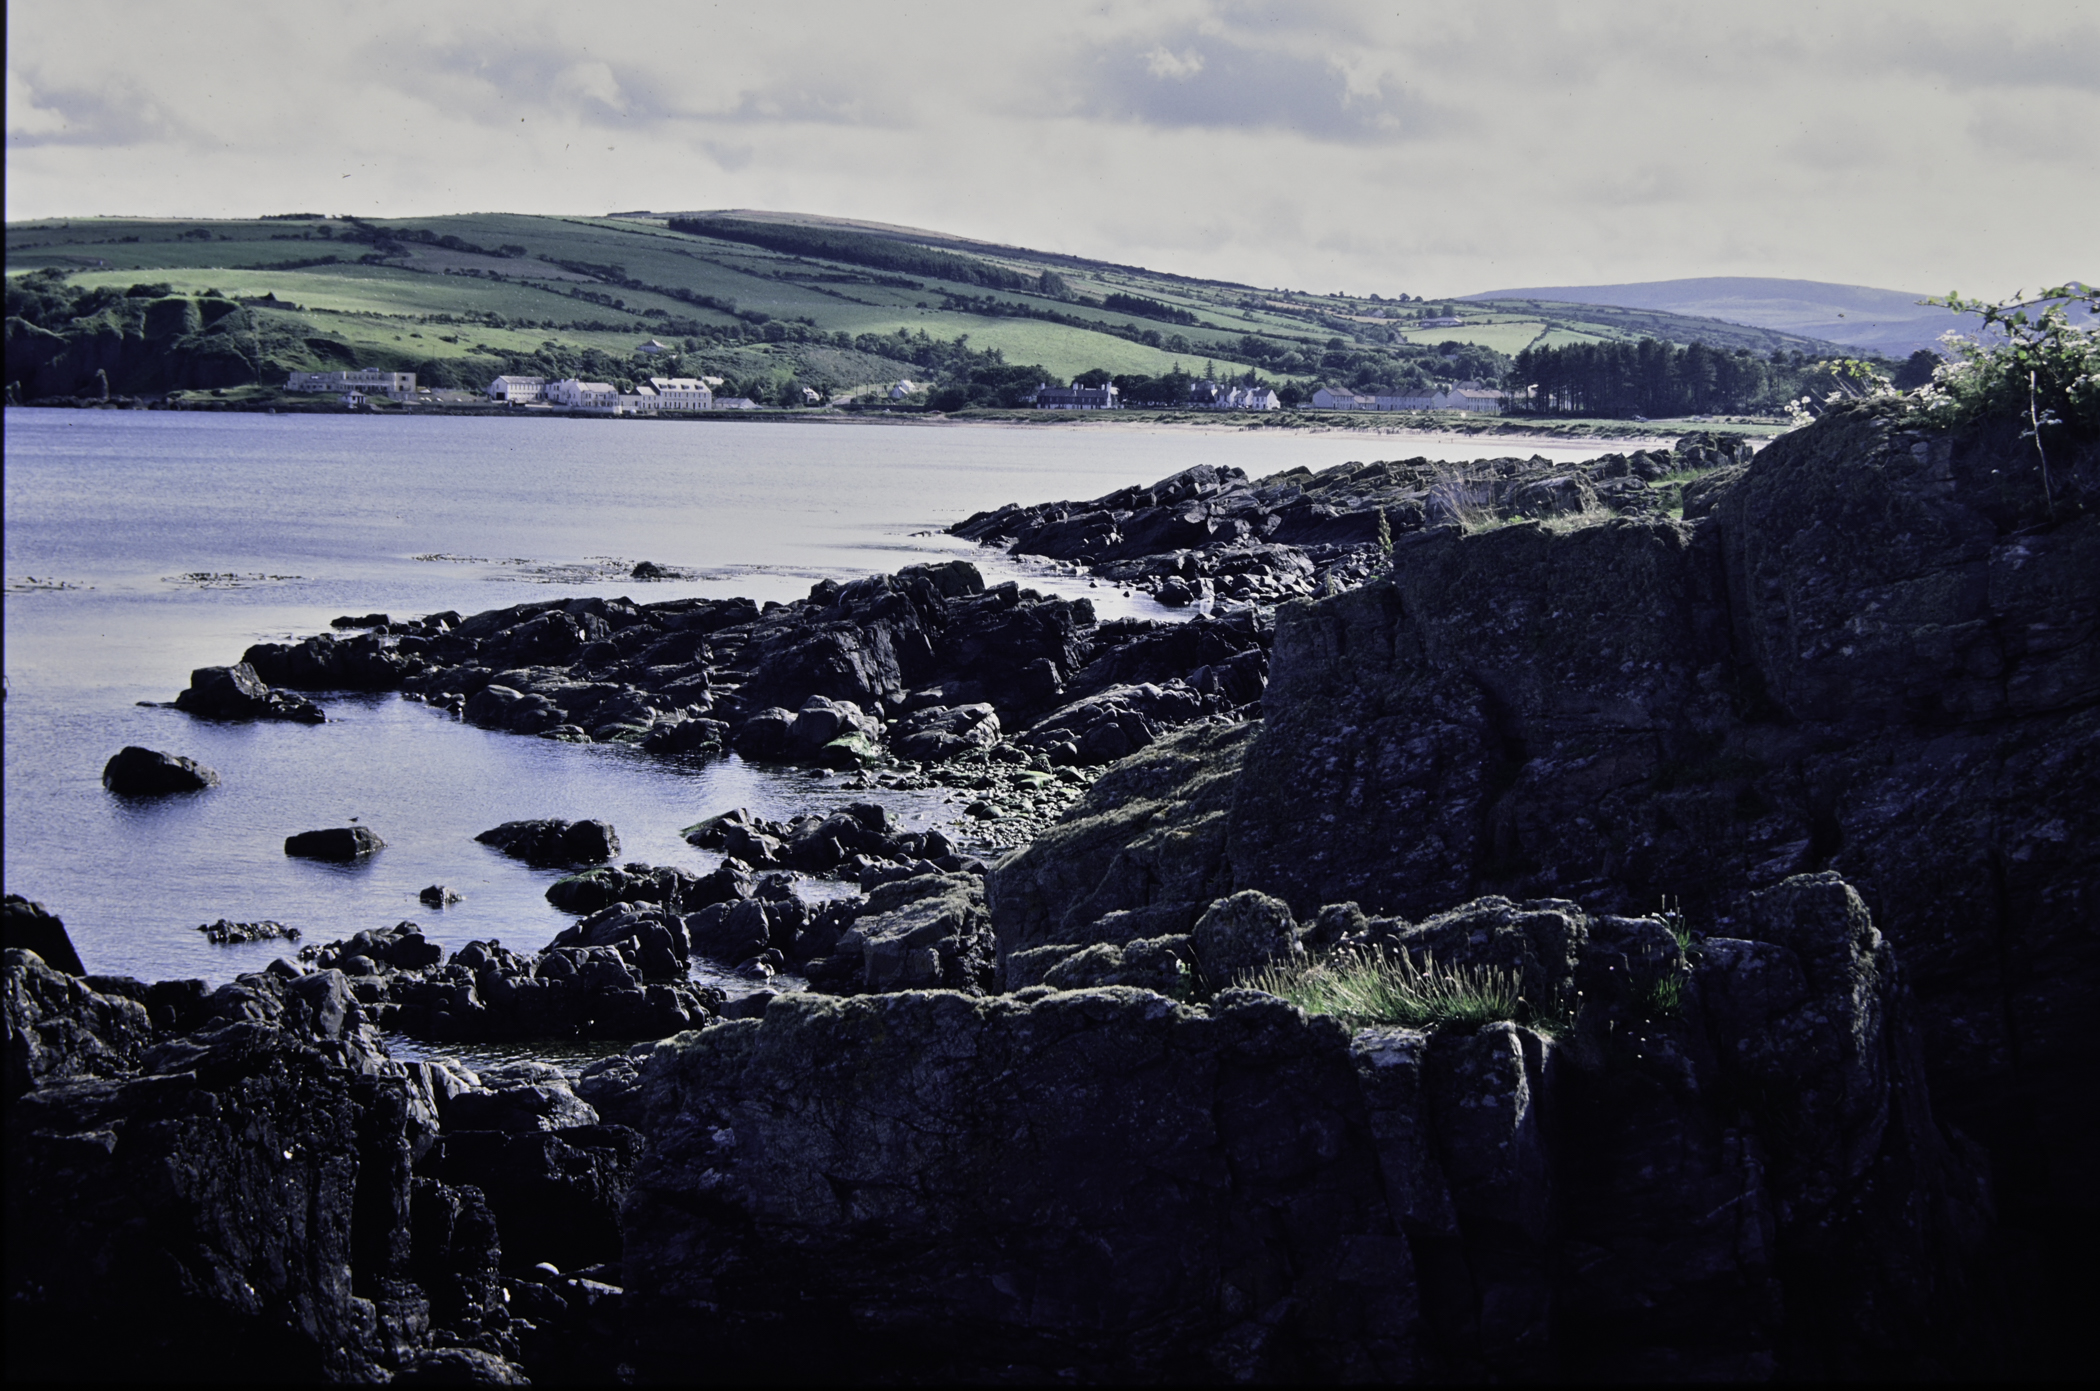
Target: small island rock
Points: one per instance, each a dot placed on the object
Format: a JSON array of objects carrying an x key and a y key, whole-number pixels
[
  {"x": 138, "y": 772},
  {"x": 339, "y": 843}
]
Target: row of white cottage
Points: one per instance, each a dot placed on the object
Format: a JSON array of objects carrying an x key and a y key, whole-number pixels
[
  {"x": 661, "y": 394},
  {"x": 1466, "y": 396}
]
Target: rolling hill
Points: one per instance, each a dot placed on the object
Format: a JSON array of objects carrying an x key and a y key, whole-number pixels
[
  {"x": 1893, "y": 323},
  {"x": 772, "y": 302}
]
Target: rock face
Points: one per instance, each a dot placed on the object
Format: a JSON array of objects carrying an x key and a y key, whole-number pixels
[
  {"x": 138, "y": 772},
  {"x": 238, "y": 1184},
  {"x": 1873, "y": 651},
  {"x": 1106, "y": 1184},
  {"x": 339, "y": 843}
]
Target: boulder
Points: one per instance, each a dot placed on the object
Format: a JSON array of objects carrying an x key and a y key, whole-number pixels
[
  {"x": 940, "y": 732},
  {"x": 138, "y": 772},
  {"x": 548, "y": 843},
  {"x": 27, "y": 926},
  {"x": 237, "y": 693},
  {"x": 1242, "y": 934},
  {"x": 61, "y": 1029},
  {"x": 341, "y": 844}
]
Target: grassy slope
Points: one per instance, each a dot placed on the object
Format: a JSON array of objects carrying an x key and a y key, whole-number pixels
[{"x": 393, "y": 311}]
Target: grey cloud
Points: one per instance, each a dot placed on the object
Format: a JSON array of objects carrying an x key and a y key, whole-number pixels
[{"x": 1210, "y": 82}]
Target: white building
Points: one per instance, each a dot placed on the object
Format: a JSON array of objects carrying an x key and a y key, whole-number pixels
[
  {"x": 652, "y": 347},
  {"x": 1249, "y": 398},
  {"x": 642, "y": 400},
  {"x": 1328, "y": 399},
  {"x": 903, "y": 389},
  {"x": 682, "y": 394},
  {"x": 735, "y": 403},
  {"x": 397, "y": 385},
  {"x": 571, "y": 394},
  {"x": 1076, "y": 398},
  {"x": 518, "y": 390}
]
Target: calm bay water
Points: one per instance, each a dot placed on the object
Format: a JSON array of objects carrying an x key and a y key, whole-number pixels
[{"x": 180, "y": 539}]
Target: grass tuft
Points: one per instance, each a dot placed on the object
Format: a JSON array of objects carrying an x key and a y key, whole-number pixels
[{"x": 1377, "y": 986}]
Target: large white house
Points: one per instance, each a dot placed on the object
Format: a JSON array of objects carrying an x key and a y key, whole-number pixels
[
  {"x": 1328, "y": 399},
  {"x": 518, "y": 390},
  {"x": 574, "y": 395},
  {"x": 398, "y": 385},
  {"x": 1076, "y": 398},
  {"x": 682, "y": 394}
]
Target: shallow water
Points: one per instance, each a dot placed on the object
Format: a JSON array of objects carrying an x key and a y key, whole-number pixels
[{"x": 180, "y": 539}]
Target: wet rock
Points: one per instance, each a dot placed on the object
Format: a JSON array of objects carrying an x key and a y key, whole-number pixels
[
  {"x": 939, "y": 733},
  {"x": 547, "y": 843},
  {"x": 439, "y": 896},
  {"x": 337, "y": 843},
  {"x": 59, "y": 1028},
  {"x": 237, "y": 693},
  {"x": 226, "y": 933},
  {"x": 138, "y": 772}
]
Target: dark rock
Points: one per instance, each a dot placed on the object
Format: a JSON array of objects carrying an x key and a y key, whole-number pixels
[
  {"x": 237, "y": 693},
  {"x": 439, "y": 896},
  {"x": 193, "y": 1224},
  {"x": 545, "y": 844},
  {"x": 134, "y": 771},
  {"x": 27, "y": 926},
  {"x": 1242, "y": 934},
  {"x": 225, "y": 933},
  {"x": 339, "y": 843},
  {"x": 1220, "y": 1269},
  {"x": 556, "y": 1194},
  {"x": 939, "y": 733},
  {"x": 61, "y": 1029}
]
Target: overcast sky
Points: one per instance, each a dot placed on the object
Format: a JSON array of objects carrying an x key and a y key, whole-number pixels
[{"x": 1427, "y": 148}]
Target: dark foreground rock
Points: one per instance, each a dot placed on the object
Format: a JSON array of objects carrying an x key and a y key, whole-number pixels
[
  {"x": 1108, "y": 1185},
  {"x": 339, "y": 843},
  {"x": 138, "y": 772},
  {"x": 1872, "y": 650},
  {"x": 238, "y": 1185}
]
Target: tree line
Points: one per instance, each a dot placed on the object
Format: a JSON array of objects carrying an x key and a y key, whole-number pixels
[{"x": 1655, "y": 378}]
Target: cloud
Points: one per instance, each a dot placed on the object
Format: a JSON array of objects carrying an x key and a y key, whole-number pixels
[{"x": 1422, "y": 147}]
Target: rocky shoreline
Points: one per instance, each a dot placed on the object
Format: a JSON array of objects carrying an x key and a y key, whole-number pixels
[{"x": 1004, "y": 1110}]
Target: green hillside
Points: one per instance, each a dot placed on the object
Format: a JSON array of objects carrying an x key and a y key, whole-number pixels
[{"x": 772, "y": 303}]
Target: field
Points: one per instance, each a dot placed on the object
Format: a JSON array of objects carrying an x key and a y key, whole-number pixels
[{"x": 461, "y": 298}]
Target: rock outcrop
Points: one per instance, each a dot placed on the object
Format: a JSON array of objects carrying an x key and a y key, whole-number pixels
[
  {"x": 1872, "y": 650},
  {"x": 1735, "y": 1177}
]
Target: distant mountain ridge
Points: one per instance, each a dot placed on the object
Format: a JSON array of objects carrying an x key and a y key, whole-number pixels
[{"x": 1891, "y": 322}]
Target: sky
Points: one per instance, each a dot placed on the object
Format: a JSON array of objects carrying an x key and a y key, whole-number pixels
[{"x": 1429, "y": 149}]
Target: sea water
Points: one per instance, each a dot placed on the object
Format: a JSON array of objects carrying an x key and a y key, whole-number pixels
[{"x": 140, "y": 545}]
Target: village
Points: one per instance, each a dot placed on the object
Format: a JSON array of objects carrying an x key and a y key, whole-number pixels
[{"x": 681, "y": 395}]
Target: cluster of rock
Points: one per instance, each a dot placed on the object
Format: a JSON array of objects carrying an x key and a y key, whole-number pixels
[
  {"x": 239, "y": 1184},
  {"x": 914, "y": 669},
  {"x": 226, "y": 932},
  {"x": 1213, "y": 534}
]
